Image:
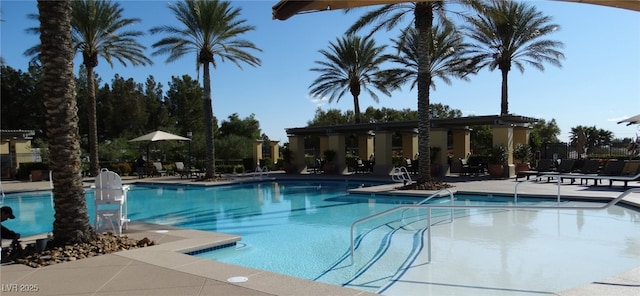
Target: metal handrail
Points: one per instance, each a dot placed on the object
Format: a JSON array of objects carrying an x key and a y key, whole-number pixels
[
  {"x": 559, "y": 178},
  {"x": 492, "y": 207},
  {"x": 370, "y": 217},
  {"x": 514, "y": 207},
  {"x": 262, "y": 171},
  {"x": 401, "y": 174},
  {"x": 515, "y": 194}
]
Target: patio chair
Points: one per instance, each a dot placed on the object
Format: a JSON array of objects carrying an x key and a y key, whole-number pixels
[
  {"x": 182, "y": 170},
  {"x": 186, "y": 171},
  {"x": 360, "y": 166},
  {"x": 160, "y": 169},
  {"x": 543, "y": 167},
  {"x": 630, "y": 172},
  {"x": 313, "y": 165},
  {"x": 110, "y": 202},
  {"x": 566, "y": 166},
  {"x": 610, "y": 169},
  {"x": 590, "y": 167}
]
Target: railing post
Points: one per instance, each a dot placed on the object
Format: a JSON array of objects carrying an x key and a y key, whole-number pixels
[{"x": 429, "y": 234}]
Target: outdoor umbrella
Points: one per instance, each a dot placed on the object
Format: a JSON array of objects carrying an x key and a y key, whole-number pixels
[
  {"x": 158, "y": 136},
  {"x": 631, "y": 120}
]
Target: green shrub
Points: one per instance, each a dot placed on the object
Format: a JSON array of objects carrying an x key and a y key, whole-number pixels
[
  {"x": 121, "y": 168},
  {"x": 497, "y": 155},
  {"x": 522, "y": 152}
]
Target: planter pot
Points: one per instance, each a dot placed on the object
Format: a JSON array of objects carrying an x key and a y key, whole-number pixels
[
  {"x": 37, "y": 175},
  {"x": 329, "y": 168},
  {"x": 288, "y": 168},
  {"x": 496, "y": 170},
  {"x": 523, "y": 166},
  {"x": 435, "y": 170}
]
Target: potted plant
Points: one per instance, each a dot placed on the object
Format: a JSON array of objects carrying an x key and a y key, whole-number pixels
[
  {"x": 287, "y": 157},
  {"x": 497, "y": 158},
  {"x": 522, "y": 154},
  {"x": 329, "y": 156}
]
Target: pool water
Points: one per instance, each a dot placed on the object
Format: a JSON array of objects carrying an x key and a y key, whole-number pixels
[{"x": 302, "y": 229}]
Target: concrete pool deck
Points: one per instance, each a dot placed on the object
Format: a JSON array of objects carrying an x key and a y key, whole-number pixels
[{"x": 163, "y": 269}]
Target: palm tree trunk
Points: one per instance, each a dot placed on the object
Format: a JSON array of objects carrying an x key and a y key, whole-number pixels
[
  {"x": 504, "y": 105},
  {"x": 424, "y": 22},
  {"x": 93, "y": 122},
  {"x": 356, "y": 108},
  {"x": 71, "y": 224},
  {"x": 210, "y": 154}
]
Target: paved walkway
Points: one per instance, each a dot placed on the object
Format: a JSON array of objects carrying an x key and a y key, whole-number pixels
[{"x": 164, "y": 269}]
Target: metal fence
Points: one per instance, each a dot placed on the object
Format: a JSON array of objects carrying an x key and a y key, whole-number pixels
[{"x": 567, "y": 151}]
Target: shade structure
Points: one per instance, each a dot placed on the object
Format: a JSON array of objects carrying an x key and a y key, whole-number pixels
[
  {"x": 631, "y": 120},
  {"x": 159, "y": 136},
  {"x": 284, "y": 9}
]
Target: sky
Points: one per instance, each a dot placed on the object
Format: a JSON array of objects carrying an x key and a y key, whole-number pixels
[{"x": 597, "y": 85}]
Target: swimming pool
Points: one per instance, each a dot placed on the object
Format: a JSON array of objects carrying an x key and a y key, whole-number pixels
[{"x": 302, "y": 229}]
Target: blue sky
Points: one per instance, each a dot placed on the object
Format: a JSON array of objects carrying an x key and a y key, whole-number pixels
[{"x": 598, "y": 85}]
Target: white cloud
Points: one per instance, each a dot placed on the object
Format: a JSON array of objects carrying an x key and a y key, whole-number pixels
[{"x": 317, "y": 100}]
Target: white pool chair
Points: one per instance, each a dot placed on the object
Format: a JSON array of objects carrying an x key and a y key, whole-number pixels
[{"x": 110, "y": 203}]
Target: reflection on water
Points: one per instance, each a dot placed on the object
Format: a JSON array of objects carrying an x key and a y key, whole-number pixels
[{"x": 303, "y": 228}]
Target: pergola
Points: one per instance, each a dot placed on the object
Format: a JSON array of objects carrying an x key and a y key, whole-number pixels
[
  {"x": 375, "y": 138},
  {"x": 15, "y": 147}
]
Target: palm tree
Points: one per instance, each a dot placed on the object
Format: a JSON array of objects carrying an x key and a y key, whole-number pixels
[
  {"x": 99, "y": 31},
  {"x": 211, "y": 28},
  {"x": 388, "y": 16},
  {"x": 447, "y": 51},
  {"x": 71, "y": 224},
  {"x": 512, "y": 33},
  {"x": 352, "y": 64}
]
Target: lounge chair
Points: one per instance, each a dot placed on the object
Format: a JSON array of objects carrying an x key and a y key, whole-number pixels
[
  {"x": 612, "y": 168},
  {"x": 159, "y": 169},
  {"x": 186, "y": 171},
  {"x": 590, "y": 167},
  {"x": 543, "y": 167},
  {"x": 566, "y": 166},
  {"x": 630, "y": 172},
  {"x": 110, "y": 202},
  {"x": 182, "y": 170}
]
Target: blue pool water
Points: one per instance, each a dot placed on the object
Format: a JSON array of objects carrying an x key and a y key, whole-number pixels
[{"x": 302, "y": 229}]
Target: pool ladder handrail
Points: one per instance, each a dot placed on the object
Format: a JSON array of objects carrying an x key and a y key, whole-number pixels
[
  {"x": 510, "y": 207},
  {"x": 261, "y": 172},
  {"x": 370, "y": 217},
  {"x": 401, "y": 174}
]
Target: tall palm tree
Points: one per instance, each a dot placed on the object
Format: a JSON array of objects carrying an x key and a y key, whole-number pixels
[
  {"x": 352, "y": 64},
  {"x": 71, "y": 224},
  {"x": 211, "y": 30},
  {"x": 447, "y": 50},
  {"x": 388, "y": 17},
  {"x": 512, "y": 33},
  {"x": 99, "y": 30}
]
